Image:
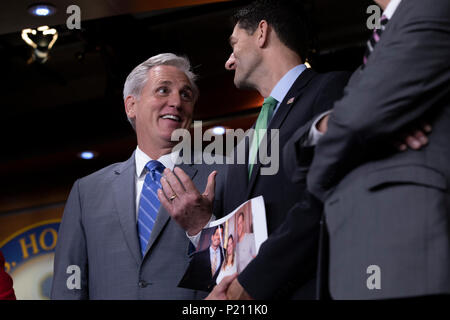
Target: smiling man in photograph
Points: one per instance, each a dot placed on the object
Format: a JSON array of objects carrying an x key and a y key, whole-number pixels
[
  {"x": 206, "y": 263},
  {"x": 116, "y": 241}
]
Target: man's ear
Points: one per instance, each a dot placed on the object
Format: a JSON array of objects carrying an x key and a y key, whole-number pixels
[
  {"x": 130, "y": 107},
  {"x": 262, "y": 31}
]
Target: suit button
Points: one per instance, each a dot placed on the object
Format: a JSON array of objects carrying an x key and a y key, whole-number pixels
[{"x": 142, "y": 283}]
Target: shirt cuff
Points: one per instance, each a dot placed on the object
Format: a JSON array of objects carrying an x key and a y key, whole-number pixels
[
  {"x": 314, "y": 134},
  {"x": 195, "y": 239}
]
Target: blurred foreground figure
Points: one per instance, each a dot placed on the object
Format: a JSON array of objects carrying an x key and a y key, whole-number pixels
[
  {"x": 6, "y": 283},
  {"x": 388, "y": 212}
]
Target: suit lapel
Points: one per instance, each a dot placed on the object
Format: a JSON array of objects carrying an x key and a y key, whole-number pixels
[
  {"x": 237, "y": 178},
  {"x": 286, "y": 105},
  {"x": 163, "y": 216},
  {"x": 125, "y": 197}
]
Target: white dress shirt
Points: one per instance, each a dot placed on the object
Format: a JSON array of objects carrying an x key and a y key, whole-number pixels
[
  {"x": 283, "y": 86},
  {"x": 141, "y": 159},
  {"x": 391, "y": 8},
  {"x": 216, "y": 253}
]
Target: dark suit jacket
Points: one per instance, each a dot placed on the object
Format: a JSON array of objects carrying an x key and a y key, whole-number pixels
[
  {"x": 312, "y": 93},
  {"x": 198, "y": 275},
  {"x": 6, "y": 284},
  {"x": 98, "y": 234},
  {"x": 387, "y": 208}
]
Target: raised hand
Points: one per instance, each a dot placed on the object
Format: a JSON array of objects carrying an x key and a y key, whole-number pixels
[
  {"x": 414, "y": 139},
  {"x": 185, "y": 204}
]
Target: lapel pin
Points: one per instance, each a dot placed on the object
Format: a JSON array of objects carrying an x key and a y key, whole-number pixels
[{"x": 290, "y": 100}]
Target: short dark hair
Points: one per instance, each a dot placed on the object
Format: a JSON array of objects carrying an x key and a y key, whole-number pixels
[
  {"x": 287, "y": 17},
  {"x": 217, "y": 227}
]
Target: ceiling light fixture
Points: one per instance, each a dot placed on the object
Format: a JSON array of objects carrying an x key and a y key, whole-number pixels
[
  {"x": 87, "y": 155},
  {"x": 218, "y": 131},
  {"x": 42, "y": 9},
  {"x": 41, "y": 40}
]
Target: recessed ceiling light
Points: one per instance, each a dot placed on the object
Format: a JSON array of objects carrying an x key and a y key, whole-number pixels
[
  {"x": 87, "y": 155},
  {"x": 42, "y": 9},
  {"x": 218, "y": 131}
]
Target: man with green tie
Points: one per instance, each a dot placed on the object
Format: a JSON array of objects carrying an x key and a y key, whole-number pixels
[{"x": 270, "y": 45}]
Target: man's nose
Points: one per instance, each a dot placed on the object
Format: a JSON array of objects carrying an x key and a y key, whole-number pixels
[
  {"x": 175, "y": 100},
  {"x": 231, "y": 63}
]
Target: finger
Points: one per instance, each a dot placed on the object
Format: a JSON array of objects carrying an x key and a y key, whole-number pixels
[
  {"x": 167, "y": 189},
  {"x": 323, "y": 124},
  {"x": 413, "y": 143},
  {"x": 186, "y": 181},
  {"x": 212, "y": 295},
  {"x": 216, "y": 294},
  {"x": 426, "y": 127},
  {"x": 210, "y": 186},
  {"x": 400, "y": 146},
  {"x": 232, "y": 291},
  {"x": 164, "y": 201},
  {"x": 174, "y": 183},
  {"x": 219, "y": 291},
  {"x": 226, "y": 281},
  {"x": 421, "y": 137},
  {"x": 223, "y": 286}
]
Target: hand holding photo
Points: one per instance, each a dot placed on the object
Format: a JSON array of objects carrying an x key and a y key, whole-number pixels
[{"x": 227, "y": 246}]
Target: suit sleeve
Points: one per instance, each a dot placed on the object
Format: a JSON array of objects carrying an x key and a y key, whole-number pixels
[
  {"x": 298, "y": 156},
  {"x": 70, "y": 279},
  {"x": 289, "y": 256},
  {"x": 405, "y": 77}
]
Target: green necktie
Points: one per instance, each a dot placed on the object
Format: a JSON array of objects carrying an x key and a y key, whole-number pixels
[{"x": 260, "y": 129}]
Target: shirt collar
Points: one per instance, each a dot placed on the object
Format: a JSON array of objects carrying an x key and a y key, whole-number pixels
[
  {"x": 212, "y": 251},
  {"x": 281, "y": 89},
  {"x": 141, "y": 159},
  {"x": 391, "y": 7}
]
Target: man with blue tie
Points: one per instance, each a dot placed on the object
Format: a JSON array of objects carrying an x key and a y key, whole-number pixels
[{"x": 116, "y": 241}]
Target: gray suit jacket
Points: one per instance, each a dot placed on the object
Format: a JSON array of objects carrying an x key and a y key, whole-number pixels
[
  {"x": 387, "y": 208},
  {"x": 98, "y": 234}
]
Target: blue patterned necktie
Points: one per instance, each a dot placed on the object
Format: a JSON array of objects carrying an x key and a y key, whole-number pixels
[{"x": 149, "y": 203}]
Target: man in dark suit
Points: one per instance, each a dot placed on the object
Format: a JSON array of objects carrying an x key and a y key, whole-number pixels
[
  {"x": 6, "y": 283},
  {"x": 115, "y": 241},
  {"x": 387, "y": 212},
  {"x": 205, "y": 264},
  {"x": 270, "y": 42}
]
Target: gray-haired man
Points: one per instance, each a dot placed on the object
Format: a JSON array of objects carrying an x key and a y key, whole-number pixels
[{"x": 115, "y": 240}]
